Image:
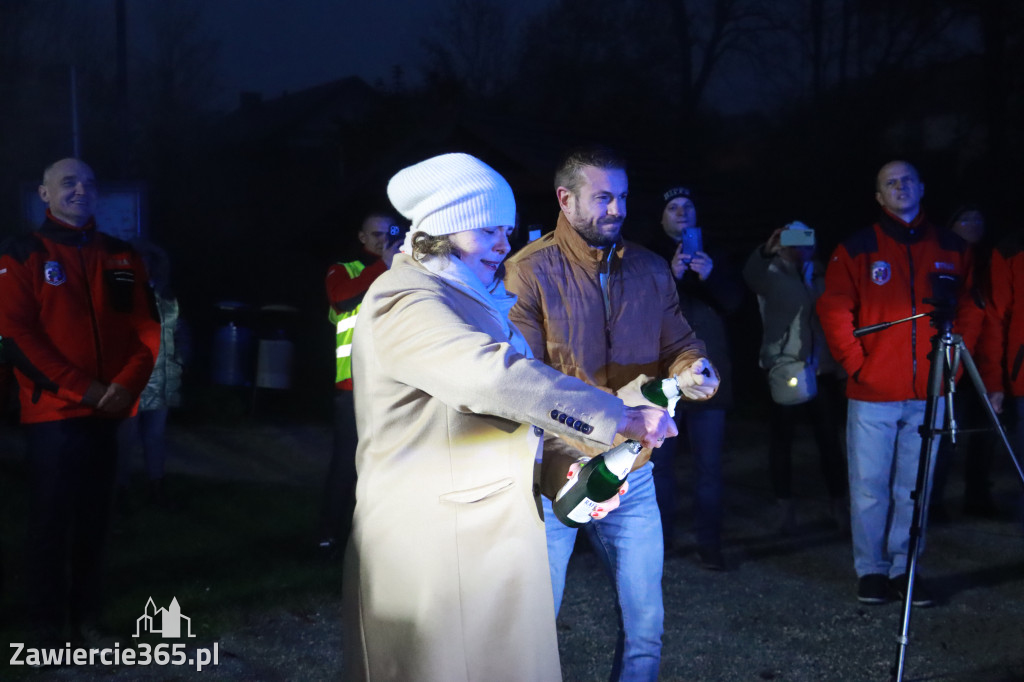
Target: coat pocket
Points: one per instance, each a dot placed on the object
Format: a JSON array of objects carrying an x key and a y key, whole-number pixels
[
  {"x": 480, "y": 492},
  {"x": 121, "y": 289}
]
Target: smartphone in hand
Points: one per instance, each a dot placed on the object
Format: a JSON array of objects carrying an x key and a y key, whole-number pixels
[
  {"x": 692, "y": 241},
  {"x": 797, "y": 237}
]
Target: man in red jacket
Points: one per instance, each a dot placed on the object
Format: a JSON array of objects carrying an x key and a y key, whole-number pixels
[
  {"x": 1001, "y": 346},
  {"x": 78, "y": 324},
  {"x": 880, "y": 274}
]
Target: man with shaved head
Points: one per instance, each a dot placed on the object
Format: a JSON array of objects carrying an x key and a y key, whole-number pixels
[
  {"x": 883, "y": 273},
  {"x": 78, "y": 324}
]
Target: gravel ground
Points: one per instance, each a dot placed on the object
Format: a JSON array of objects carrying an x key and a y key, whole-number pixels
[{"x": 785, "y": 609}]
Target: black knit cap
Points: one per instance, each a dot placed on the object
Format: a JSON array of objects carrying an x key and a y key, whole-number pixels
[{"x": 674, "y": 192}]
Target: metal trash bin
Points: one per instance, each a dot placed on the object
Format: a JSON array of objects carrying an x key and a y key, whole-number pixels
[
  {"x": 233, "y": 345},
  {"x": 276, "y": 353}
]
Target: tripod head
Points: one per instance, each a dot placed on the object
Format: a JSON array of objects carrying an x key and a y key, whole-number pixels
[{"x": 944, "y": 289}]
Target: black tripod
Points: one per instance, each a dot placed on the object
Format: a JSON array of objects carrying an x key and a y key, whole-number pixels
[{"x": 947, "y": 354}]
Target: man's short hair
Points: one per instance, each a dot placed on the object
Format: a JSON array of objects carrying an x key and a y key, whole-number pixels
[
  {"x": 378, "y": 213},
  {"x": 570, "y": 170},
  {"x": 878, "y": 175},
  {"x": 47, "y": 170}
]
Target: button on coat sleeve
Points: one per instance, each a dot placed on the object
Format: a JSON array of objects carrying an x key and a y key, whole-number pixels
[{"x": 473, "y": 372}]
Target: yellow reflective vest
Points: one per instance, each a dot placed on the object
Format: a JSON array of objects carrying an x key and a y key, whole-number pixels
[{"x": 345, "y": 324}]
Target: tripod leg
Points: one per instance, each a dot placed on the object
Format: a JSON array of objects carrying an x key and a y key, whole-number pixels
[
  {"x": 952, "y": 357},
  {"x": 979, "y": 386},
  {"x": 937, "y": 373}
]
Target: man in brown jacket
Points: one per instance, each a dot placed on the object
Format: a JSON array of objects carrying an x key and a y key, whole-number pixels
[{"x": 606, "y": 311}]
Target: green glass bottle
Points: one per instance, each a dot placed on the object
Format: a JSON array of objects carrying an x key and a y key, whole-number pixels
[
  {"x": 661, "y": 391},
  {"x": 598, "y": 480}
]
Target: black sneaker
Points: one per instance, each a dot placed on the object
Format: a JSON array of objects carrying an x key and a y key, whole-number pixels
[
  {"x": 873, "y": 588},
  {"x": 923, "y": 596}
]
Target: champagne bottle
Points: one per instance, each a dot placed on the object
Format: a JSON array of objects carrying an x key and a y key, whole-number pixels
[
  {"x": 598, "y": 480},
  {"x": 661, "y": 391}
]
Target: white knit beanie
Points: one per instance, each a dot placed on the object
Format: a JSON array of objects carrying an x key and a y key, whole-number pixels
[{"x": 451, "y": 193}]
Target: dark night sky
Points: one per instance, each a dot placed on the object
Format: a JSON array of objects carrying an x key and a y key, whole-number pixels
[
  {"x": 274, "y": 46},
  {"x": 271, "y": 46}
]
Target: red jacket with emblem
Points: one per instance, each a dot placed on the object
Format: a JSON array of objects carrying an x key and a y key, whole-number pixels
[
  {"x": 885, "y": 273},
  {"x": 1001, "y": 346},
  {"x": 75, "y": 306}
]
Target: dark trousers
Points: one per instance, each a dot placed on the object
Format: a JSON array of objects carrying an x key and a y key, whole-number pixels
[
  {"x": 704, "y": 430},
  {"x": 72, "y": 467},
  {"x": 148, "y": 428},
  {"x": 978, "y": 449},
  {"x": 821, "y": 414},
  {"x": 340, "y": 488}
]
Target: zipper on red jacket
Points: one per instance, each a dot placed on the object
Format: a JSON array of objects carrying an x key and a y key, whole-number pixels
[
  {"x": 92, "y": 312},
  {"x": 913, "y": 323}
]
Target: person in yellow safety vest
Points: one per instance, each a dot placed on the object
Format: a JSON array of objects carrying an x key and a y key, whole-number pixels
[{"x": 380, "y": 236}]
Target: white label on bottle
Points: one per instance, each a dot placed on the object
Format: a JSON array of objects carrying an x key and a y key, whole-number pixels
[
  {"x": 582, "y": 511},
  {"x": 619, "y": 460},
  {"x": 620, "y": 468},
  {"x": 670, "y": 388}
]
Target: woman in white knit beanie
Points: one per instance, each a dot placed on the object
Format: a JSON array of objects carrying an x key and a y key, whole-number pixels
[{"x": 446, "y": 573}]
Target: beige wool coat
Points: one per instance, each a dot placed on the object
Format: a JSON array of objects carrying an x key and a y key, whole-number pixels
[{"x": 446, "y": 572}]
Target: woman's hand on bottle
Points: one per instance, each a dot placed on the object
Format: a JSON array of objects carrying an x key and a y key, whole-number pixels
[
  {"x": 605, "y": 506},
  {"x": 649, "y": 425}
]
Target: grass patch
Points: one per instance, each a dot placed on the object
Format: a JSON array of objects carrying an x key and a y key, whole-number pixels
[{"x": 231, "y": 550}]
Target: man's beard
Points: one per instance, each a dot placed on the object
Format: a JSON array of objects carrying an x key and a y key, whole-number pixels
[{"x": 590, "y": 232}]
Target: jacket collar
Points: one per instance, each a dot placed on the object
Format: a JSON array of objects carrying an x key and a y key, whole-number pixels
[
  {"x": 578, "y": 250},
  {"x": 367, "y": 258},
  {"x": 61, "y": 232},
  {"x": 494, "y": 298},
  {"x": 903, "y": 232}
]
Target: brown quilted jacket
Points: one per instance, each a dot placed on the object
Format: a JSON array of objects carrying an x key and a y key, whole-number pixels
[{"x": 607, "y": 334}]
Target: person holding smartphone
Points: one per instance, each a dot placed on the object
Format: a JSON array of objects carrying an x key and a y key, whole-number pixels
[
  {"x": 379, "y": 237},
  {"x": 787, "y": 279},
  {"x": 710, "y": 288}
]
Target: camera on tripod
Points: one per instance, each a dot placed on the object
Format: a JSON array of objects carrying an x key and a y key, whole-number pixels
[{"x": 945, "y": 290}]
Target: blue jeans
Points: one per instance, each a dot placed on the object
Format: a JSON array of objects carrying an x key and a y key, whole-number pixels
[
  {"x": 705, "y": 431},
  {"x": 884, "y": 448},
  {"x": 628, "y": 543}
]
